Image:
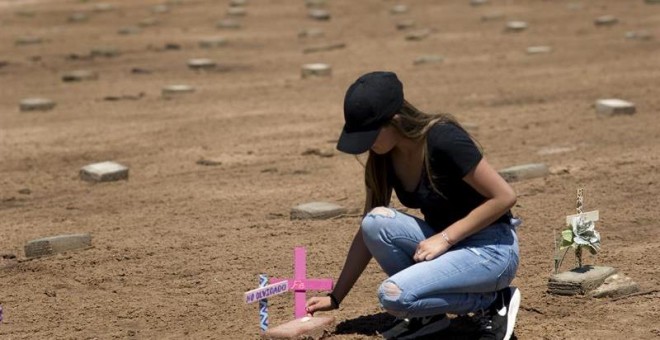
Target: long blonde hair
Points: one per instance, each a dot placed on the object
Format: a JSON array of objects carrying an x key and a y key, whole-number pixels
[{"x": 413, "y": 124}]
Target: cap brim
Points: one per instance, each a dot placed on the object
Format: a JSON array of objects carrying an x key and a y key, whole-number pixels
[{"x": 356, "y": 142}]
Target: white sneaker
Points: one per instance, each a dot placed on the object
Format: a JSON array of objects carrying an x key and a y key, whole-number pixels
[{"x": 498, "y": 321}]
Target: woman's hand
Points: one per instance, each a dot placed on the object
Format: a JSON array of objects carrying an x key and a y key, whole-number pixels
[
  {"x": 431, "y": 248},
  {"x": 319, "y": 303}
]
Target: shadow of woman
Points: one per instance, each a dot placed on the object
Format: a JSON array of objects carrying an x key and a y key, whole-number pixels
[
  {"x": 461, "y": 328},
  {"x": 366, "y": 324}
]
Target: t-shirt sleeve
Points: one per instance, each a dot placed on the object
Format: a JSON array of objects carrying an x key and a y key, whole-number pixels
[{"x": 451, "y": 150}]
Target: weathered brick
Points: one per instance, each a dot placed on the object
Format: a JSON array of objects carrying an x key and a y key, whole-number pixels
[
  {"x": 57, "y": 244},
  {"x": 579, "y": 280},
  {"x": 104, "y": 172},
  {"x": 610, "y": 107},
  {"x": 614, "y": 286},
  {"x": 525, "y": 171},
  {"x": 316, "y": 211}
]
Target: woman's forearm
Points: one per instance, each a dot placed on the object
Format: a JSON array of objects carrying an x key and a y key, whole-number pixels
[
  {"x": 500, "y": 197},
  {"x": 479, "y": 218},
  {"x": 357, "y": 259}
]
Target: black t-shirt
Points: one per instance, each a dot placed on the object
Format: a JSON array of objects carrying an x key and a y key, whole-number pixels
[{"x": 452, "y": 155}]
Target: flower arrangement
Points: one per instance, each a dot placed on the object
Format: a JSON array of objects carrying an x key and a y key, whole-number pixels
[{"x": 580, "y": 234}]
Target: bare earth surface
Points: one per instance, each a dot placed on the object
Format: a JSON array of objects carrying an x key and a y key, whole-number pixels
[{"x": 177, "y": 244}]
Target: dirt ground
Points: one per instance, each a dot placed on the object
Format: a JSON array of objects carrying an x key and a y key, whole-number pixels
[{"x": 177, "y": 244}]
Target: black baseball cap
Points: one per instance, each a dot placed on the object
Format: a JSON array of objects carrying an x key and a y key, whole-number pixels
[{"x": 370, "y": 102}]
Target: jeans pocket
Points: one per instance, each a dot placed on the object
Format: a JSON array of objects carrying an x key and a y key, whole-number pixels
[{"x": 509, "y": 273}]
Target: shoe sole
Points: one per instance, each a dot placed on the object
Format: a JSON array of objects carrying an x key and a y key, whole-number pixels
[{"x": 514, "y": 305}]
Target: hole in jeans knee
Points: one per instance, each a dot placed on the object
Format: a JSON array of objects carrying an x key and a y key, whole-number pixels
[
  {"x": 390, "y": 299},
  {"x": 382, "y": 211},
  {"x": 391, "y": 290}
]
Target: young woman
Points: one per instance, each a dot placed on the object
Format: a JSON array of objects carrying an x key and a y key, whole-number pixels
[{"x": 463, "y": 255}]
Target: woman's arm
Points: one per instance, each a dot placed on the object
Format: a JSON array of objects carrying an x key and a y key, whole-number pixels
[
  {"x": 356, "y": 261},
  {"x": 500, "y": 197}
]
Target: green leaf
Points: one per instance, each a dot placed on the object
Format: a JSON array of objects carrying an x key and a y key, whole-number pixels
[
  {"x": 567, "y": 235},
  {"x": 565, "y": 244}
]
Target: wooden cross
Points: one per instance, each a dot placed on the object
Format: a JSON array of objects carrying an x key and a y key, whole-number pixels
[
  {"x": 300, "y": 284},
  {"x": 591, "y": 216},
  {"x": 588, "y": 216}
]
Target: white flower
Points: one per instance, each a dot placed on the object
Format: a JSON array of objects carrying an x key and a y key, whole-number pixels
[{"x": 585, "y": 234}]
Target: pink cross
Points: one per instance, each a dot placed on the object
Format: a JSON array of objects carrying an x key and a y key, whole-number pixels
[{"x": 300, "y": 284}]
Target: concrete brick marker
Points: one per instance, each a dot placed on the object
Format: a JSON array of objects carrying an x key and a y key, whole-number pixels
[
  {"x": 28, "y": 40},
  {"x": 428, "y": 59},
  {"x": 399, "y": 9},
  {"x": 539, "y": 49},
  {"x": 129, "y": 30},
  {"x": 574, "y": 6},
  {"x": 104, "y": 172},
  {"x": 639, "y": 35},
  {"x": 579, "y": 281},
  {"x": 319, "y": 14},
  {"x": 168, "y": 46},
  {"x": 615, "y": 286},
  {"x": 148, "y": 22},
  {"x": 305, "y": 327},
  {"x": 317, "y": 152},
  {"x": 57, "y": 244},
  {"x": 515, "y": 26},
  {"x": 606, "y": 20},
  {"x": 79, "y": 75},
  {"x": 611, "y": 107},
  {"x": 228, "y": 24},
  {"x": 316, "y": 211},
  {"x": 209, "y": 161},
  {"x": 478, "y": 2},
  {"x": 405, "y": 24},
  {"x": 237, "y": 3},
  {"x": 236, "y": 11},
  {"x": 176, "y": 90},
  {"x": 525, "y": 171},
  {"x": 324, "y": 47},
  {"x": 36, "y": 104},
  {"x": 159, "y": 9},
  {"x": 212, "y": 42},
  {"x": 311, "y": 33},
  {"x": 105, "y": 51},
  {"x": 201, "y": 64},
  {"x": 418, "y": 35},
  {"x": 553, "y": 150},
  {"x": 493, "y": 16},
  {"x": 78, "y": 17},
  {"x": 104, "y": 7},
  {"x": 314, "y": 3},
  {"x": 316, "y": 70}
]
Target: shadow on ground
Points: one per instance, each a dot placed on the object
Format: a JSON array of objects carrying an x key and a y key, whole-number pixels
[{"x": 461, "y": 328}]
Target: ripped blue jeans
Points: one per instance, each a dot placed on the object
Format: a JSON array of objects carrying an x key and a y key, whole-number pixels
[{"x": 460, "y": 281}]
